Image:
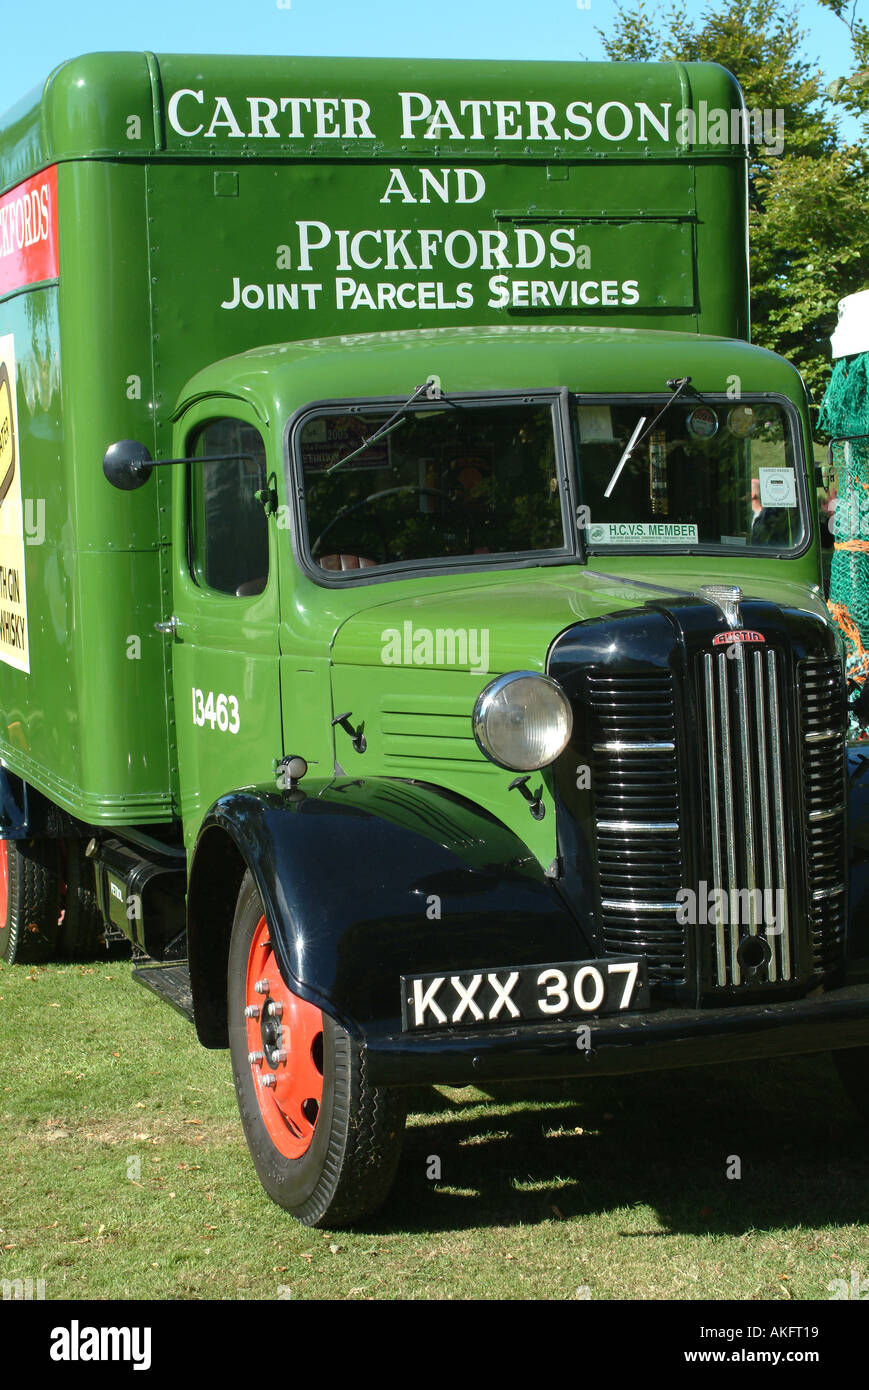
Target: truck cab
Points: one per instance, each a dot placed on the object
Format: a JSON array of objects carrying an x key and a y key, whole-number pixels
[{"x": 386, "y": 551}]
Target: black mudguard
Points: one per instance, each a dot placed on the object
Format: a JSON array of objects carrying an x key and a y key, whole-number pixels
[
  {"x": 27, "y": 814},
  {"x": 14, "y": 813},
  {"x": 364, "y": 881}
]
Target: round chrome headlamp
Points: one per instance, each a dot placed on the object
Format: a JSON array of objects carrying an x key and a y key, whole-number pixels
[{"x": 522, "y": 721}]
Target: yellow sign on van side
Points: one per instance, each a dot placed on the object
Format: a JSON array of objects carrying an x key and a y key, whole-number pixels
[{"x": 14, "y": 646}]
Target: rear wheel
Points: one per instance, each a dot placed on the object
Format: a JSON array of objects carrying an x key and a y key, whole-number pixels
[
  {"x": 29, "y": 900},
  {"x": 325, "y": 1143},
  {"x": 82, "y": 929}
]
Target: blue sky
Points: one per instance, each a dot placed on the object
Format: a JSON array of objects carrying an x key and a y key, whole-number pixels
[{"x": 36, "y": 37}]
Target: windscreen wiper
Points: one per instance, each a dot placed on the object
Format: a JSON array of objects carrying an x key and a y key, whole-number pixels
[
  {"x": 677, "y": 386},
  {"x": 430, "y": 389}
]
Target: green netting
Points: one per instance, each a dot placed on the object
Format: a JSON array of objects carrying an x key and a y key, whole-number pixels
[
  {"x": 845, "y": 407},
  {"x": 845, "y": 411}
]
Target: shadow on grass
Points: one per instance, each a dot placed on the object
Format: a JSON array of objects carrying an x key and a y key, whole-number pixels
[{"x": 666, "y": 1140}]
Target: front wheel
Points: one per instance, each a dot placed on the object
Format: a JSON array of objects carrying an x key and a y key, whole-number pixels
[{"x": 324, "y": 1142}]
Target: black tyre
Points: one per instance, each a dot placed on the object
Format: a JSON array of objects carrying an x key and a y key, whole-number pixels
[
  {"x": 81, "y": 934},
  {"x": 324, "y": 1142},
  {"x": 852, "y": 1065},
  {"x": 29, "y": 900}
]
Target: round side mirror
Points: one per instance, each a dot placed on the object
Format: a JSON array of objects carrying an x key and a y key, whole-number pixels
[{"x": 127, "y": 464}]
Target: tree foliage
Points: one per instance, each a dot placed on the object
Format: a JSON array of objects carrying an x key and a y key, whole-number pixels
[
  {"x": 809, "y": 205},
  {"x": 852, "y": 90}
]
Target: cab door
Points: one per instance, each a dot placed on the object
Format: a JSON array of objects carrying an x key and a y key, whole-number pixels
[{"x": 225, "y": 613}]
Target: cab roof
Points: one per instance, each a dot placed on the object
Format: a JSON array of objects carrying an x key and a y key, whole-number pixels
[{"x": 280, "y": 379}]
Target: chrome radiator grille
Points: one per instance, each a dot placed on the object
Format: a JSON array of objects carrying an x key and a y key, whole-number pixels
[
  {"x": 637, "y": 819},
  {"x": 711, "y": 835},
  {"x": 822, "y": 716},
  {"x": 744, "y": 714}
]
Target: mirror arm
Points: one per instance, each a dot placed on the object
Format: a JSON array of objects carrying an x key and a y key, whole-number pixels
[
  {"x": 204, "y": 458},
  {"x": 128, "y": 464}
]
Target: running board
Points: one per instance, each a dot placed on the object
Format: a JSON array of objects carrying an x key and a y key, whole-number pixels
[{"x": 171, "y": 982}]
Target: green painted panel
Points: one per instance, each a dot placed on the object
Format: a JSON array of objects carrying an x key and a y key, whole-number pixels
[
  {"x": 89, "y": 723},
  {"x": 409, "y": 734},
  {"x": 275, "y": 269},
  {"x": 97, "y": 105},
  {"x": 106, "y": 349},
  {"x": 225, "y": 662},
  {"x": 22, "y": 148},
  {"x": 508, "y": 356},
  {"x": 132, "y": 104}
]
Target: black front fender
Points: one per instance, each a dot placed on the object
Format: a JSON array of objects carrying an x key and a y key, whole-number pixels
[{"x": 365, "y": 881}]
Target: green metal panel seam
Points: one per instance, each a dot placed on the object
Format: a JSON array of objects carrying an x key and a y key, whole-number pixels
[
  {"x": 687, "y": 98},
  {"x": 163, "y": 485},
  {"x": 156, "y": 101},
  {"x": 104, "y": 808}
]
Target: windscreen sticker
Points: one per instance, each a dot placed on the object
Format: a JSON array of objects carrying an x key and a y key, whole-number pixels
[
  {"x": 14, "y": 637},
  {"x": 702, "y": 423},
  {"x": 328, "y": 440},
  {"x": 595, "y": 424},
  {"x": 642, "y": 533},
  {"x": 778, "y": 487}
]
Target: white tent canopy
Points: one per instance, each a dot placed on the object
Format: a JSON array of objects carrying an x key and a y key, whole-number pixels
[{"x": 852, "y": 331}]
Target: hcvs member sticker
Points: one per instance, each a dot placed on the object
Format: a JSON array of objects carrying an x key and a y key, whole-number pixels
[{"x": 642, "y": 533}]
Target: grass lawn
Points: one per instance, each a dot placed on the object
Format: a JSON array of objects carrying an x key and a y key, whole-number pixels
[{"x": 125, "y": 1175}]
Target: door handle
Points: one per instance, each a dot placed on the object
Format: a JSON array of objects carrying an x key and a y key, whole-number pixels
[{"x": 170, "y": 627}]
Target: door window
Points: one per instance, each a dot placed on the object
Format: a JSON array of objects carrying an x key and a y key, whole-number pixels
[{"x": 229, "y": 530}]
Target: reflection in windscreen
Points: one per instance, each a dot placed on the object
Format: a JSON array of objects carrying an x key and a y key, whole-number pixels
[
  {"x": 451, "y": 479},
  {"x": 709, "y": 474}
]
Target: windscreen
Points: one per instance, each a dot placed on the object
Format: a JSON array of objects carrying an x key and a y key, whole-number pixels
[
  {"x": 461, "y": 478},
  {"x": 709, "y": 474}
]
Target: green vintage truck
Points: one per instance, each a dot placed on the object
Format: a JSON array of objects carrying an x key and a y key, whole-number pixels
[{"x": 410, "y": 626}]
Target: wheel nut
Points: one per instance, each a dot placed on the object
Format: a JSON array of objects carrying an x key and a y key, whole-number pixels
[
  {"x": 254, "y": 1057},
  {"x": 280, "y": 1055},
  {"x": 261, "y": 986},
  {"x": 251, "y": 1011},
  {"x": 269, "y": 1079},
  {"x": 275, "y": 1009}
]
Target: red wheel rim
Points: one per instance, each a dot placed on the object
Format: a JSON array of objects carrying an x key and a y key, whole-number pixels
[
  {"x": 285, "y": 1050},
  {"x": 4, "y": 884}
]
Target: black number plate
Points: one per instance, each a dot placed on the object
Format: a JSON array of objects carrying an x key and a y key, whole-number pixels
[{"x": 524, "y": 993}]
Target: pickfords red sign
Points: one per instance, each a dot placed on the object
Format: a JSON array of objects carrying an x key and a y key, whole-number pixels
[{"x": 28, "y": 232}]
